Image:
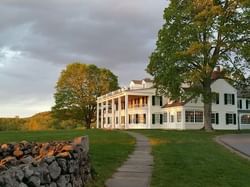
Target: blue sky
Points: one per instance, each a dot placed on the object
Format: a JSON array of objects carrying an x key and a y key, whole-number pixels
[{"x": 39, "y": 38}]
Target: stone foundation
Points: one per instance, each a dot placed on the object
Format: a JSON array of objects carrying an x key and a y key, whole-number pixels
[{"x": 54, "y": 164}]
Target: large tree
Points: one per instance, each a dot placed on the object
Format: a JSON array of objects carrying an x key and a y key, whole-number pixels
[
  {"x": 197, "y": 36},
  {"x": 77, "y": 89}
]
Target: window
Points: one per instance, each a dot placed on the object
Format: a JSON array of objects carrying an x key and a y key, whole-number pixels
[
  {"x": 230, "y": 119},
  {"x": 240, "y": 103},
  {"x": 165, "y": 117},
  {"x": 116, "y": 120},
  {"x": 178, "y": 116},
  {"x": 215, "y": 118},
  {"x": 157, "y": 118},
  {"x": 216, "y": 98},
  {"x": 129, "y": 118},
  {"x": 157, "y": 100},
  {"x": 229, "y": 99},
  {"x": 198, "y": 116},
  {"x": 194, "y": 116},
  {"x": 172, "y": 118},
  {"x": 189, "y": 116},
  {"x": 123, "y": 120},
  {"x": 245, "y": 119}
]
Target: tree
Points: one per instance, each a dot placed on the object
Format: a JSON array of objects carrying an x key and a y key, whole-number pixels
[
  {"x": 77, "y": 89},
  {"x": 197, "y": 37}
]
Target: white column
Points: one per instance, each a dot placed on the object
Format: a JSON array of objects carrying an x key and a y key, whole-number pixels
[
  {"x": 97, "y": 116},
  {"x": 149, "y": 111},
  {"x": 119, "y": 111},
  {"x": 102, "y": 115},
  {"x": 113, "y": 114},
  {"x": 126, "y": 111},
  {"x": 107, "y": 108}
]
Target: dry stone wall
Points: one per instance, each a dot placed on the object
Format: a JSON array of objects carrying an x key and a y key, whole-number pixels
[{"x": 54, "y": 164}]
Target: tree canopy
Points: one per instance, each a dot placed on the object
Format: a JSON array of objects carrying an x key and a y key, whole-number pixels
[
  {"x": 77, "y": 89},
  {"x": 197, "y": 37}
]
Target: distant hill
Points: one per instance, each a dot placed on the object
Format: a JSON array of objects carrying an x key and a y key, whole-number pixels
[{"x": 39, "y": 121}]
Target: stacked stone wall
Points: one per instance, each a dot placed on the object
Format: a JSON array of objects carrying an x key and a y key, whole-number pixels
[{"x": 54, "y": 164}]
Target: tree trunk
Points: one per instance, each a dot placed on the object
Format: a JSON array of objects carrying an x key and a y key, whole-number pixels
[
  {"x": 207, "y": 116},
  {"x": 88, "y": 124},
  {"x": 207, "y": 97}
]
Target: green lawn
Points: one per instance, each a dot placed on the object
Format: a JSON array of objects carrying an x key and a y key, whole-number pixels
[
  {"x": 108, "y": 149},
  {"x": 192, "y": 158}
]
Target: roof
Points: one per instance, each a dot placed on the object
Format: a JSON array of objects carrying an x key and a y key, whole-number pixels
[
  {"x": 174, "y": 104},
  {"x": 244, "y": 93},
  {"x": 178, "y": 103},
  {"x": 137, "y": 81},
  {"x": 140, "y": 81},
  {"x": 148, "y": 80}
]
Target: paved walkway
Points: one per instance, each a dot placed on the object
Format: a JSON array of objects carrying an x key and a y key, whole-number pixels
[
  {"x": 239, "y": 143},
  {"x": 137, "y": 170}
]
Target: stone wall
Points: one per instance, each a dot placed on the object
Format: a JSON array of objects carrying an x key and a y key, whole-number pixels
[{"x": 54, "y": 164}]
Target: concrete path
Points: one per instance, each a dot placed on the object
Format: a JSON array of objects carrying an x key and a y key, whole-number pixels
[
  {"x": 137, "y": 170},
  {"x": 239, "y": 143}
]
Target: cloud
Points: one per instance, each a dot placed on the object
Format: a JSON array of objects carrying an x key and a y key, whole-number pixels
[{"x": 41, "y": 37}]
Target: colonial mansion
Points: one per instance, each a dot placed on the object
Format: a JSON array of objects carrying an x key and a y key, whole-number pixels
[{"x": 138, "y": 107}]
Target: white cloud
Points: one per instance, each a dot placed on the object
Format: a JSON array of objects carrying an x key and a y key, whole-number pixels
[{"x": 38, "y": 39}]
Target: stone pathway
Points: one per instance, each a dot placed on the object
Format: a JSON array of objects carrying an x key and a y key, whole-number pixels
[
  {"x": 238, "y": 143},
  {"x": 137, "y": 170}
]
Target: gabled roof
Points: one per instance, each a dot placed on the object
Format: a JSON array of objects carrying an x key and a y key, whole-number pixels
[
  {"x": 174, "y": 104},
  {"x": 178, "y": 103},
  {"x": 148, "y": 80},
  {"x": 137, "y": 81}
]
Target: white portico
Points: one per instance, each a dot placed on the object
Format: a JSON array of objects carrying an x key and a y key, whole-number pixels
[{"x": 128, "y": 108}]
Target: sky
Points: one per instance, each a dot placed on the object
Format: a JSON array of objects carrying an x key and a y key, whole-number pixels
[{"x": 39, "y": 38}]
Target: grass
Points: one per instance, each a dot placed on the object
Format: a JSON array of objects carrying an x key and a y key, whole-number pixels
[
  {"x": 108, "y": 149},
  {"x": 193, "y": 159}
]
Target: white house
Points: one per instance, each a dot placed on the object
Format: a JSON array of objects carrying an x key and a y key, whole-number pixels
[
  {"x": 138, "y": 107},
  {"x": 244, "y": 110}
]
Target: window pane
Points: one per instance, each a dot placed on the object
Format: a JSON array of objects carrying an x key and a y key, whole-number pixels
[
  {"x": 198, "y": 116},
  {"x": 165, "y": 117},
  {"x": 189, "y": 115},
  {"x": 245, "y": 119},
  {"x": 178, "y": 116},
  {"x": 213, "y": 118}
]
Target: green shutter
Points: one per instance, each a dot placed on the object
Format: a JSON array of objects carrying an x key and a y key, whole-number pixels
[
  {"x": 153, "y": 118},
  {"x": 247, "y": 104},
  {"x": 240, "y": 103},
  {"x": 233, "y": 99},
  {"x": 217, "y": 118},
  {"x": 234, "y": 118},
  {"x": 226, "y": 119},
  {"x": 161, "y": 120},
  {"x": 217, "y": 98},
  {"x": 225, "y": 99},
  {"x": 160, "y": 100},
  {"x": 153, "y": 100}
]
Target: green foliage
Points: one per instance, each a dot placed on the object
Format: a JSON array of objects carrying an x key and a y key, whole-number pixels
[
  {"x": 12, "y": 124},
  {"x": 198, "y": 36},
  {"x": 77, "y": 89}
]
